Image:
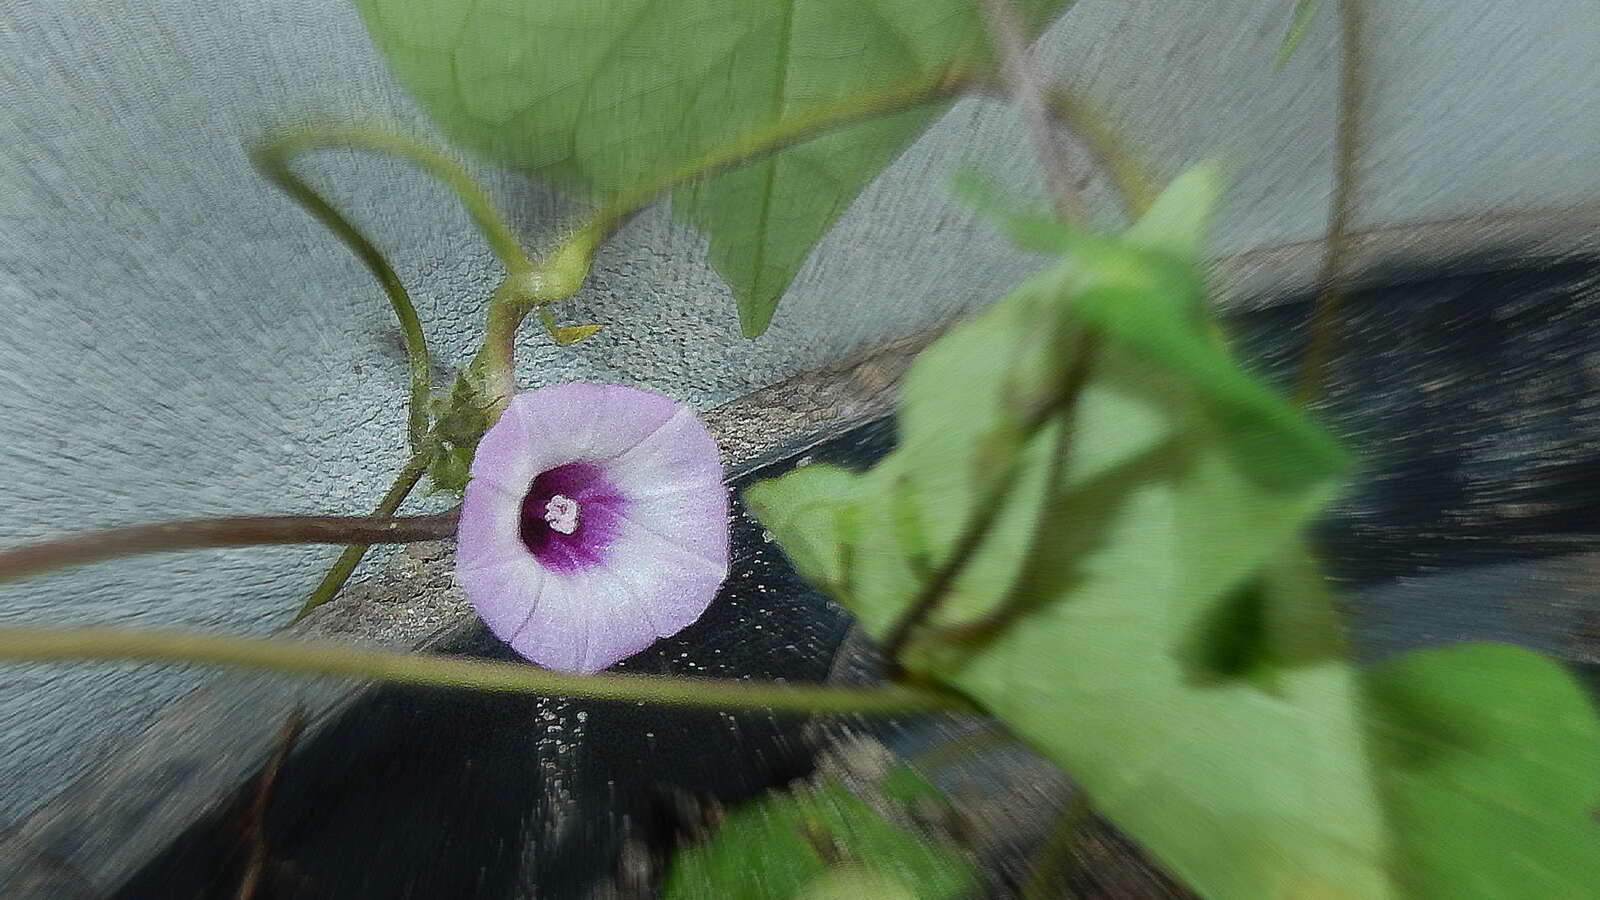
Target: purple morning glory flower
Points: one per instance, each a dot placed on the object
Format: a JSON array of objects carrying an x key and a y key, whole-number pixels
[{"x": 595, "y": 522}]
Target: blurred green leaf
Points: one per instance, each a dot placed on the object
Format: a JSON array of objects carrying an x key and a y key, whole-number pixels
[
  {"x": 812, "y": 504},
  {"x": 1243, "y": 770},
  {"x": 855, "y": 882},
  {"x": 1169, "y": 324},
  {"x": 1032, "y": 230},
  {"x": 1178, "y": 219},
  {"x": 816, "y": 844},
  {"x": 1138, "y": 605},
  {"x": 1166, "y": 395},
  {"x": 1491, "y": 757},
  {"x": 1305, "y": 11},
  {"x": 614, "y": 97}
]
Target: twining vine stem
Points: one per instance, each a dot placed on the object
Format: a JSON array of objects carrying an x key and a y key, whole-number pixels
[
  {"x": 530, "y": 286},
  {"x": 272, "y": 160},
  {"x": 562, "y": 273},
  {"x": 442, "y": 167},
  {"x": 1017, "y": 67},
  {"x": 1121, "y": 166},
  {"x": 253, "y": 820}
]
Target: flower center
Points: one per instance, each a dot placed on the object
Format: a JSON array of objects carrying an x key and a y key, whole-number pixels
[
  {"x": 562, "y": 513},
  {"x": 570, "y": 515}
]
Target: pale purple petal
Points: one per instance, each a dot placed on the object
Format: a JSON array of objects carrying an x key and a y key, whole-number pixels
[
  {"x": 678, "y": 456},
  {"x": 512, "y": 592},
  {"x": 673, "y": 575},
  {"x": 595, "y": 522},
  {"x": 506, "y": 456},
  {"x": 590, "y": 421},
  {"x": 487, "y": 534},
  {"x": 557, "y": 634},
  {"x": 614, "y": 621},
  {"x": 687, "y": 519}
]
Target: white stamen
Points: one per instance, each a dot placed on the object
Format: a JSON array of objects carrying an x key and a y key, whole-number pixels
[{"x": 562, "y": 513}]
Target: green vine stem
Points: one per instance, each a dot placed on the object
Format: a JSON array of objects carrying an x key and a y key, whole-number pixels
[
  {"x": 778, "y": 137},
  {"x": 345, "y": 565},
  {"x": 252, "y": 821},
  {"x": 1062, "y": 108},
  {"x": 434, "y": 670},
  {"x": 272, "y": 160},
  {"x": 557, "y": 277},
  {"x": 528, "y": 286},
  {"x": 440, "y": 166},
  {"x": 237, "y": 531},
  {"x": 1127, "y": 174},
  {"x": 564, "y": 271}
]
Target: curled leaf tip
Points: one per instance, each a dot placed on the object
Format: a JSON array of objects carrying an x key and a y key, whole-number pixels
[{"x": 566, "y": 335}]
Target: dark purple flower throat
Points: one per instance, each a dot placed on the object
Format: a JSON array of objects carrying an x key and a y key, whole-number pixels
[{"x": 570, "y": 515}]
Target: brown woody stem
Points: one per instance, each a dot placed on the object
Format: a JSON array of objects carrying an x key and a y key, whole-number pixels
[
  {"x": 1021, "y": 77},
  {"x": 238, "y": 531},
  {"x": 1347, "y": 148}
]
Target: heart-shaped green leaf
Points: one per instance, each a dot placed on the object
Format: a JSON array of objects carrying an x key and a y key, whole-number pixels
[
  {"x": 612, "y": 97},
  {"x": 1491, "y": 763}
]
